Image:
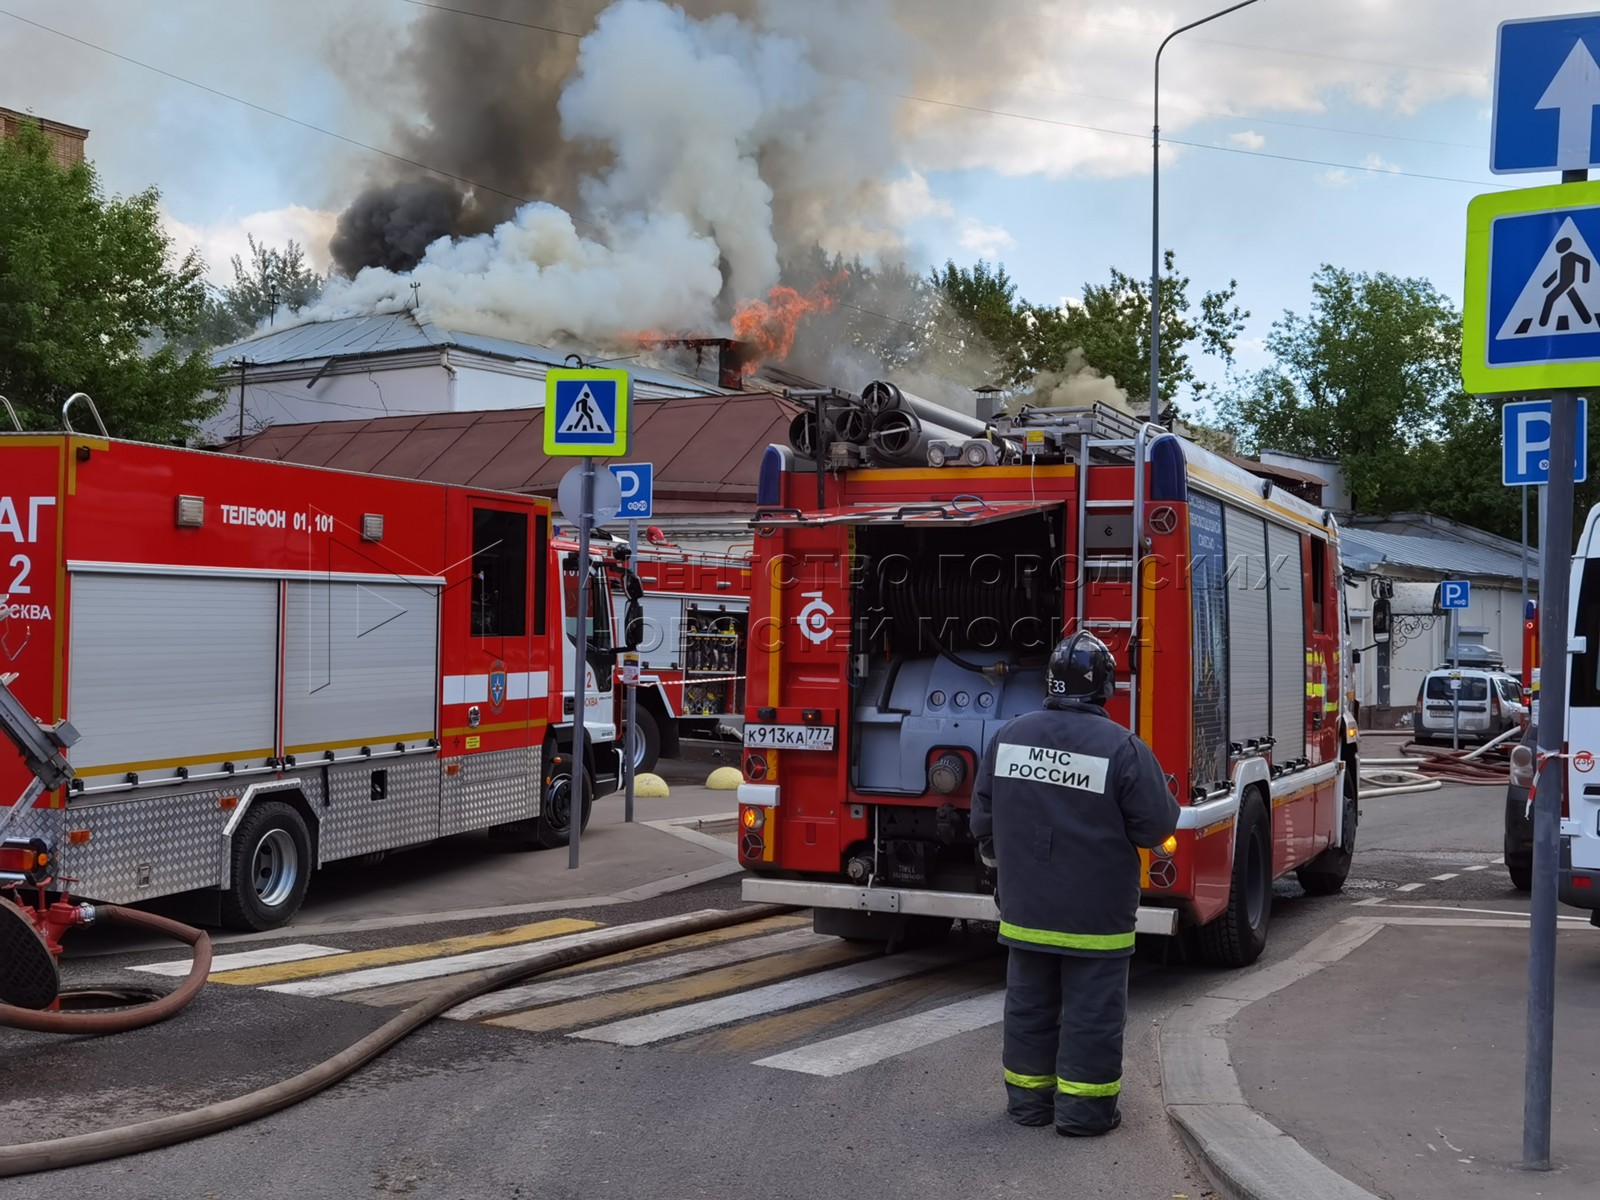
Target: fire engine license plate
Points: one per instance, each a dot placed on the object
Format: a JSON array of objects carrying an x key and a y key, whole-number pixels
[{"x": 788, "y": 737}]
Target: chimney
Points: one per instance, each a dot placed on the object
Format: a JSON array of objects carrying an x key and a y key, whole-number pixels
[
  {"x": 988, "y": 402},
  {"x": 732, "y": 358}
]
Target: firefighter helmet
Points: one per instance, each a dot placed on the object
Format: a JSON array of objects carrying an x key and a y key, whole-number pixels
[{"x": 1081, "y": 668}]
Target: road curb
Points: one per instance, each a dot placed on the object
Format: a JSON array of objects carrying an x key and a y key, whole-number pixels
[{"x": 1246, "y": 1156}]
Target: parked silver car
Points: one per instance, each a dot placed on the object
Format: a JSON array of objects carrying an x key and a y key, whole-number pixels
[{"x": 1491, "y": 704}]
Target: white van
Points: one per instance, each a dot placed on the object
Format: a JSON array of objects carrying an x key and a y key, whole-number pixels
[
  {"x": 1491, "y": 703},
  {"x": 1580, "y": 813}
]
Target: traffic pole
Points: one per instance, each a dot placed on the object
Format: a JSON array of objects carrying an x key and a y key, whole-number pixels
[
  {"x": 1456, "y": 682},
  {"x": 630, "y": 679},
  {"x": 580, "y": 671},
  {"x": 1555, "y": 552}
]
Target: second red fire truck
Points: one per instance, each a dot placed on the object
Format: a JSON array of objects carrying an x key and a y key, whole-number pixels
[
  {"x": 273, "y": 667},
  {"x": 902, "y": 614}
]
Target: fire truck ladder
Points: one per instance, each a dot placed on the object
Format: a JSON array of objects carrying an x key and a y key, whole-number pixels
[{"x": 1100, "y": 434}]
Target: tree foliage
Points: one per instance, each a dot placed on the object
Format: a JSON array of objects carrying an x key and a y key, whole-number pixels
[
  {"x": 92, "y": 300},
  {"x": 1370, "y": 377},
  {"x": 1110, "y": 326},
  {"x": 272, "y": 280}
]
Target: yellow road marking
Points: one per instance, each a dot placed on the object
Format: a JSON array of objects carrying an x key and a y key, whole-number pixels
[
  {"x": 596, "y": 1010},
  {"x": 399, "y": 994},
  {"x": 357, "y": 960}
]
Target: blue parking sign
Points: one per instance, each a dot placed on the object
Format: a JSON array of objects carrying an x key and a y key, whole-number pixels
[
  {"x": 1525, "y": 443},
  {"x": 637, "y": 483},
  {"x": 1455, "y": 593}
]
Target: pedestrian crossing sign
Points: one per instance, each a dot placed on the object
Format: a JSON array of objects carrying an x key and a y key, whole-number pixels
[
  {"x": 586, "y": 412},
  {"x": 1532, "y": 315}
]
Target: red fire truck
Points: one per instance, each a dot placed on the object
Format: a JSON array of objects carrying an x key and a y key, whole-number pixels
[
  {"x": 273, "y": 667},
  {"x": 901, "y": 620},
  {"x": 696, "y": 611}
]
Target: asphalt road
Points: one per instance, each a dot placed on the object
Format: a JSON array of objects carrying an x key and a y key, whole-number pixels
[{"x": 467, "y": 1109}]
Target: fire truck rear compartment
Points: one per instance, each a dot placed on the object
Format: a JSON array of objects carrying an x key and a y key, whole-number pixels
[{"x": 956, "y": 625}]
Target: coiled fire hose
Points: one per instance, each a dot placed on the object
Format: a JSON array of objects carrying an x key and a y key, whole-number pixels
[
  {"x": 30, "y": 1157},
  {"x": 137, "y": 1017}
]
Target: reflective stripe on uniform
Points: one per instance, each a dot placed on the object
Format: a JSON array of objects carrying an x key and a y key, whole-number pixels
[
  {"x": 1069, "y": 941},
  {"x": 1069, "y": 1087},
  {"x": 1034, "y": 1082}
]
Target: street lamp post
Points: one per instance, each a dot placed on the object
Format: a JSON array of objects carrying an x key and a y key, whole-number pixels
[{"x": 1155, "y": 214}]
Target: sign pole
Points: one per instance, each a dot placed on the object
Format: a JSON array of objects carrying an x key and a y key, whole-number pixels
[
  {"x": 630, "y": 678},
  {"x": 1524, "y": 605},
  {"x": 580, "y": 778},
  {"x": 1555, "y": 551},
  {"x": 1455, "y": 690}
]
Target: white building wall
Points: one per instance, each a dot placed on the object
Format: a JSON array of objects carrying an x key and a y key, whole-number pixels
[
  {"x": 355, "y": 396},
  {"x": 1493, "y": 619}
]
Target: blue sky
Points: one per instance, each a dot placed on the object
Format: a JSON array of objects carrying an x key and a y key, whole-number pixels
[{"x": 1397, "y": 84}]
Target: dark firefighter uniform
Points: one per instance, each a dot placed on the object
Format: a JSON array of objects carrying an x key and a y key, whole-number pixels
[{"x": 1063, "y": 800}]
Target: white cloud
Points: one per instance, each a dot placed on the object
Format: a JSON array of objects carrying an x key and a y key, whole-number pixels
[
  {"x": 1376, "y": 162},
  {"x": 911, "y": 199},
  {"x": 218, "y": 241},
  {"x": 1249, "y": 139},
  {"x": 987, "y": 242},
  {"x": 1336, "y": 178}
]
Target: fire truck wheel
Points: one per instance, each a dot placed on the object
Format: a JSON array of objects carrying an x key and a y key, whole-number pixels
[
  {"x": 271, "y": 868},
  {"x": 553, "y": 827},
  {"x": 1325, "y": 874},
  {"x": 644, "y": 741},
  {"x": 1237, "y": 937}
]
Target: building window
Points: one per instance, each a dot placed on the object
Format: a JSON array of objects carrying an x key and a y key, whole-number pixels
[{"x": 499, "y": 573}]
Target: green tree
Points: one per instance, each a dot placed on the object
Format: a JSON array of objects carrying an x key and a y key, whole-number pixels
[
  {"x": 978, "y": 327},
  {"x": 273, "y": 279},
  {"x": 1110, "y": 329},
  {"x": 1371, "y": 377},
  {"x": 92, "y": 301}
]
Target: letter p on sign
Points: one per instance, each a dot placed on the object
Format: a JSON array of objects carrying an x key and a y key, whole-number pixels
[
  {"x": 637, "y": 484},
  {"x": 1525, "y": 456}
]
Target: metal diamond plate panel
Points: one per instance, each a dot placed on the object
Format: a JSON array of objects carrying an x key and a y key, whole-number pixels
[
  {"x": 146, "y": 845},
  {"x": 46, "y": 824},
  {"x": 492, "y": 789},
  {"x": 400, "y": 808}
]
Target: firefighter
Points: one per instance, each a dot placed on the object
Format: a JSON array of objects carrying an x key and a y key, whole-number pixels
[{"x": 1061, "y": 804}]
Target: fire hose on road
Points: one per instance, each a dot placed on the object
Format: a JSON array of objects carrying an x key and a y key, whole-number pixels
[
  {"x": 1429, "y": 768},
  {"x": 31, "y": 1157}
]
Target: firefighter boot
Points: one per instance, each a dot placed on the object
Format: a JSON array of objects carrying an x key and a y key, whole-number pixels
[
  {"x": 1089, "y": 1060},
  {"x": 1032, "y": 1032}
]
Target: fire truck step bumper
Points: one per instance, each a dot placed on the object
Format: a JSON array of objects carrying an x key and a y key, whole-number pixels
[{"x": 1162, "y": 922}]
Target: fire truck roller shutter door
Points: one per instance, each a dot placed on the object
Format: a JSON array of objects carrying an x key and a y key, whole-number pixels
[
  {"x": 360, "y": 662},
  {"x": 1286, "y": 597},
  {"x": 1249, "y": 694},
  {"x": 169, "y": 670}
]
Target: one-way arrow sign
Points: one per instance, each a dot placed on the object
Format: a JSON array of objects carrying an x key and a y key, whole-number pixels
[
  {"x": 1547, "y": 85},
  {"x": 1573, "y": 93}
]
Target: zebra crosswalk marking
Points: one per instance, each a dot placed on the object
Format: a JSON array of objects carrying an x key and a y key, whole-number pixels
[
  {"x": 739, "y": 977},
  {"x": 294, "y": 952},
  {"x": 456, "y": 964},
  {"x": 280, "y": 973},
  {"x": 399, "y": 995},
  {"x": 766, "y": 1035},
  {"x": 724, "y": 1010},
  {"x": 614, "y": 979},
  {"x": 867, "y": 1047}
]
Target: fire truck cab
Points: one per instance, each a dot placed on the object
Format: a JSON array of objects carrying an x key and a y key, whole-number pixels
[
  {"x": 902, "y": 614},
  {"x": 273, "y": 667}
]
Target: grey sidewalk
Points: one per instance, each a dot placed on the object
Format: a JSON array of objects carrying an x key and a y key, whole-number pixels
[{"x": 1392, "y": 1052}]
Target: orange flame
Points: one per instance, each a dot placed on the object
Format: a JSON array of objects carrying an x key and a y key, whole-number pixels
[{"x": 767, "y": 327}]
